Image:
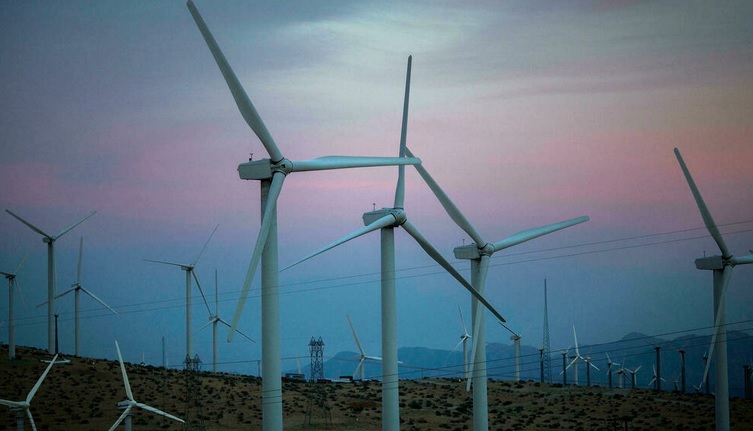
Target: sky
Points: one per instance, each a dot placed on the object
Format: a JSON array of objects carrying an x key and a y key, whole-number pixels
[{"x": 526, "y": 113}]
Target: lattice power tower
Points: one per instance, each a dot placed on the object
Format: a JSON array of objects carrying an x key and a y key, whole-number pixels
[
  {"x": 318, "y": 402},
  {"x": 545, "y": 346}
]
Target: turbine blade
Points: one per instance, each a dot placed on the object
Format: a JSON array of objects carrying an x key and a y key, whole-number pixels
[
  {"x": 94, "y": 297},
  {"x": 205, "y": 325},
  {"x": 536, "y": 232},
  {"x": 266, "y": 223},
  {"x": 594, "y": 366},
  {"x": 355, "y": 336},
  {"x": 10, "y": 403},
  {"x": 31, "y": 226},
  {"x": 358, "y": 367},
  {"x": 450, "y": 208},
  {"x": 181, "y": 265},
  {"x": 400, "y": 188},
  {"x": 60, "y": 295},
  {"x": 726, "y": 275},
  {"x": 159, "y": 412},
  {"x": 20, "y": 265},
  {"x": 123, "y": 415},
  {"x": 462, "y": 322},
  {"x": 575, "y": 337},
  {"x": 127, "y": 385},
  {"x": 246, "y": 108},
  {"x": 31, "y": 419},
  {"x": 41, "y": 379},
  {"x": 741, "y": 260},
  {"x": 345, "y": 162},
  {"x": 237, "y": 330},
  {"x": 705, "y": 213},
  {"x": 201, "y": 291},
  {"x": 21, "y": 295},
  {"x": 78, "y": 267},
  {"x": 380, "y": 223},
  {"x": 458, "y": 345},
  {"x": 71, "y": 226},
  {"x": 205, "y": 246},
  {"x": 431, "y": 251}
]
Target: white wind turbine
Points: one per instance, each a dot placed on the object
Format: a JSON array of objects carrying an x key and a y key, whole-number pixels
[
  {"x": 577, "y": 358},
  {"x": 722, "y": 270},
  {"x": 633, "y": 375},
  {"x": 386, "y": 220},
  {"x": 189, "y": 269},
  {"x": 13, "y": 283},
  {"x": 654, "y": 378},
  {"x": 464, "y": 342},
  {"x": 23, "y": 407},
  {"x": 479, "y": 254},
  {"x": 516, "y": 355},
  {"x": 77, "y": 288},
  {"x": 51, "y": 277},
  {"x": 362, "y": 356},
  {"x": 129, "y": 403},
  {"x": 610, "y": 364},
  {"x": 215, "y": 319},
  {"x": 271, "y": 173}
]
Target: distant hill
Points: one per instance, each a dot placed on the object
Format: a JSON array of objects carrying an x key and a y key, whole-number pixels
[{"x": 631, "y": 351}]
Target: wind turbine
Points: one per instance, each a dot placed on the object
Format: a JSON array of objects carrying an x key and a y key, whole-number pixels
[
  {"x": 516, "y": 354},
  {"x": 130, "y": 402},
  {"x": 189, "y": 268},
  {"x": 271, "y": 173},
  {"x": 464, "y": 341},
  {"x": 51, "y": 278},
  {"x": 12, "y": 282},
  {"x": 77, "y": 288},
  {"x": 214, "y": 319},
  {"x": 362, "y": 358},
  {"x": 479, "y": 254},
  {"x": 656, "y": 377},
  {"x": 722, "y": 270},
  {"x": 577, "y": 358},
  {"x": 633, "y": 375},
  {"x": 609, "y": 369},
  {"x": 386, "y": 220},
  {"x": 24, "y": 406}
]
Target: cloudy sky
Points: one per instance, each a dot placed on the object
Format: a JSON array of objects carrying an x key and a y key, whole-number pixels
[{"x": 526, "y": 113}]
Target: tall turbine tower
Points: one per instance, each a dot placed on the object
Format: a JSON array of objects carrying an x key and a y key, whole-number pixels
[
  {"x": 479, "y": 254},
  {"x": 271, "y": 174},
  {"x": 51, "y": 277},
  {"x": 12, "y": 284},
  {"x": 722, "y": 270},
  {"x": 189, "y": 269},
  {"x": 386, "y": 220}
]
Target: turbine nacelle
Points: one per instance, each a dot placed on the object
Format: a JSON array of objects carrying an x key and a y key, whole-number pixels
[
  {"x": 712, "y": 263},
  {"x": 398, "y": 213}
]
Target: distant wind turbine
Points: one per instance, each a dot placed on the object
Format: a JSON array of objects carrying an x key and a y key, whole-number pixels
[
  {"x": 479, "y": 254},
  {"x": 386, "y": 220},
  {"x": 362, "y": 356},
  {"x": 722, "y": 269},
  {"x": 271, "y": 173},
  {"x": 215, "y": 319},
  {"x": 577, "y": 358},
  {"x": 610, "y": 364},
  {"x": 464, "y": 342},
  {"x": 13, "y": 283},
  {"x": 77, "y": 288},
  {"x": 128, "y": 404},
  {"x": 656, "y": 378},
  {"x": 189, "y": 268},
  {"x": 24, "y": 406},
  {"x": 51, "y": 277}
]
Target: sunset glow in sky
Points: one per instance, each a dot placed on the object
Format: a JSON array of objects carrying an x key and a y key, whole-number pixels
[{"x": 526, "y": 113}]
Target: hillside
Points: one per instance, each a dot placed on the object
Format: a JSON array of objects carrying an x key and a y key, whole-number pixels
[{"x": 83, "y": 395}]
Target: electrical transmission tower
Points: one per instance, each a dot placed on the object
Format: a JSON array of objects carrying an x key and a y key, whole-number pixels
[
  {"x": 317, "y": 393},
  {"x": 545, "y": 346},
  {"x": 193, "y": 397}
]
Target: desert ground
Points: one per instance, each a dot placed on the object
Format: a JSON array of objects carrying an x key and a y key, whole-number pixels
[{"x": 83, "y": 395}]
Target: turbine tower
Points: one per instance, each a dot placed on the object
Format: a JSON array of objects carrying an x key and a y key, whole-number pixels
[
  {"x": 189, "y": 268},
  {"x": 479, "y": 254},
  {"x": 77, "y": 288},
  {"x": 13, "y": 283},
  {"x": 516, "y": 354},
  {"x": 51, "y": 277},
  {"x": 271, "y": 174},
  {"x": 722, "y": 270},
  {"x": 386, "y": 220}
]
